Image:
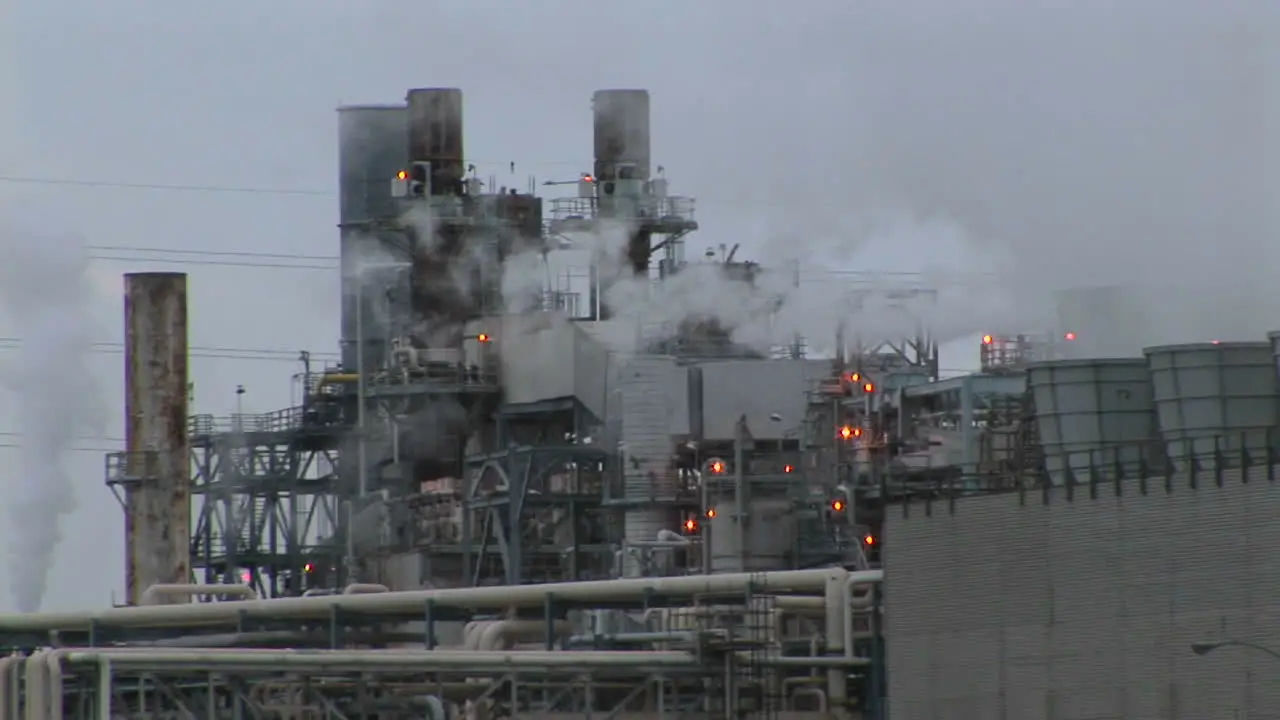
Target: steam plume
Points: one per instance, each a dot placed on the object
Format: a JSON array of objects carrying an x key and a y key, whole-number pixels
[{"x": 45, "y": 290}]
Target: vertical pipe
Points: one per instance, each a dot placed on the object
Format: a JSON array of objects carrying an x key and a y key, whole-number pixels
[{"x": 158, "y": 501}]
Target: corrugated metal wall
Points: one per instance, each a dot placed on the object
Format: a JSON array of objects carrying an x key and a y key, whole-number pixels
[{"x": 1003, "y": 607}]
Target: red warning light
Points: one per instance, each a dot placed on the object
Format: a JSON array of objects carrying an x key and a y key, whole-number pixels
[
  {"x": 690, "y": 525},
  {"x": 788, "y": 468},
  {"x": 309, "y": 567},
  {"x": 483, "y": 337},
  {"x": 837, "y": 505},
  {"x": 869, "y": 540},
  {"x": 717, "y": 467},
  {"x": 1069, "y": 336},
  {"x": 588, "y": 178},
  {"x": 987, "y": 339},
  {"x": 868, "y": 387},
  {"x": 855, "y": 377},
  {"x": 846, "y": 432},
  {"x": 711, "y": 512}
]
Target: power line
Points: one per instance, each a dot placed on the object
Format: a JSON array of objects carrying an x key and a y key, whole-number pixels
[
  {"x": 212, "y": 253},
  {"x": 205, "y": 351},
  {"x": 215, "y": 263},
  {"x": 28, "y": 180}
]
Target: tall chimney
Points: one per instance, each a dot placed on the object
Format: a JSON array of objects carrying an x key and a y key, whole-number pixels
[
  {"x": 621, "y": 134},
  {"x": 158, "y": 500},
  {"x": 435, "y": 136}
]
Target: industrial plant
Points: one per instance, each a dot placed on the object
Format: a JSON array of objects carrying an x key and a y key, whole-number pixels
[{"x": 530, "y": 490}]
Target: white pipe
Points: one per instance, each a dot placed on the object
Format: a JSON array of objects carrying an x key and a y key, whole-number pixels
[
  {"x": 161, "y": 590},
  {"x": 504, "y": 634},
  {"x": 364, "y": 589},
  {"x": 498, "y": 597},
  {"x": 9, "y": 666},
  {"x": 852, "y": 603}
]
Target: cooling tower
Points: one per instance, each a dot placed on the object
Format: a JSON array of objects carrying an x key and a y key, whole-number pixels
[
  {"x": 1096, "y": 418},
  {"x": 435, "y": 136},
  {"x": 621, "y": 134},
  {"x": 1215, "y": 400}
]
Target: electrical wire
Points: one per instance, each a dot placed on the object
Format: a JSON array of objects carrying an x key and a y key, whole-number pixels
[{"x": 201, "y": 351}]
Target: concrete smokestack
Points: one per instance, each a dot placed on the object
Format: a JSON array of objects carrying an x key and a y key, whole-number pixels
[
  {"x": 621, "y": 134},
  {"x": 435, "y": 136},
  {"x": 158, "y": 496}
]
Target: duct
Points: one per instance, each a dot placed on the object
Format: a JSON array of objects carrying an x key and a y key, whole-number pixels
[
  {"x": 405, "y": 602},
  {"x": 159, "y": 590},
  {"x": 44, "y": 676}
]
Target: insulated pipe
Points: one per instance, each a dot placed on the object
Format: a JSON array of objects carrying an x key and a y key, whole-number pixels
[
  {"x": 503, "y": 634},
  {"x": 9, "y": 666},
  {"x": 498, "y": 597},
  {"x": 365, "y": 589},
  {"x": 171, "y": 590}
]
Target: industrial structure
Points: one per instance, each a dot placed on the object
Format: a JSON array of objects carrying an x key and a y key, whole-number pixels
[{"x": 521, "y": 495}]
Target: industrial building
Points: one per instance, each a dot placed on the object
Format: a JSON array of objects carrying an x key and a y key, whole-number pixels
[{"x": 520, "y": 495}]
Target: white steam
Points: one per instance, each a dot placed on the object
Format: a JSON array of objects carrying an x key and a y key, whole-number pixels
[{"x": 47, "y": 296}]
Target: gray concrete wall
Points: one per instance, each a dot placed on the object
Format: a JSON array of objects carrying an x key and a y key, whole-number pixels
[{"x": 1087, "y": 608}]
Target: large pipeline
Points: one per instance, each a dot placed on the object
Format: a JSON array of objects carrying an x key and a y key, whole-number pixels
[{"x": 833, "y": 582}]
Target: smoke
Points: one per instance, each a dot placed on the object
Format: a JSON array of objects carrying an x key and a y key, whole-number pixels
[
  {"x": 1091, "y": 144},
  {"x": 46, "y": 292}
]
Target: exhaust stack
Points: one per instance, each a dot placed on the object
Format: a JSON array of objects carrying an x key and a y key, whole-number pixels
[
  {"x": 435, "y": 136},
  {"x": 621, "y": 134}
]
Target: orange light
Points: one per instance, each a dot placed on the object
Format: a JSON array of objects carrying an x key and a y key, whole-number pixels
[
  {"x": 588, "y": 178},
  {"x": 837, "y": 505},
  {"x": 987, "y": 339},
  {"x": 846, "y": 432},
  {"x": 870, "y": 540},
  {"x": 788, "y": 468},
  {"x": 690, "y": 524},
  {"x": 717, "y": 467},
  {"x": 711, "y": 512},
  {"x": 857, "y": 432},
  {"x": 482, "y": 337},
  {"x": 402, "y": 175},
  {"x": 1069, "y": 336},
  {"x": 309, "y": 568},
  {"x": 868, "y": 387},
  {"x": 855, "y": 377}
]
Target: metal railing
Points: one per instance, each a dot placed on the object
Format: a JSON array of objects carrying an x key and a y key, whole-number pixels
[{"x": 648, "y": 208}]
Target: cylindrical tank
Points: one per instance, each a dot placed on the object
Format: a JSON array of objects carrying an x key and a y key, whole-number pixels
[
  {"x": 1096, "y": 418},
  {"x": 648, "y": 477},
  {"x": 771, "y": 536},
  {"x": 1215, "y": 401},
  {"x": 435, "y": 136},
  {"x": 621, "y": 134}
]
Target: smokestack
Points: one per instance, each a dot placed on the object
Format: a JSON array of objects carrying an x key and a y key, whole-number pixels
[
  {"x": 371, "y": 150},
  {"x": 158, "y": 496},
  {"x": 435, "y": 136},
  {"x": 621, "y": 134}
]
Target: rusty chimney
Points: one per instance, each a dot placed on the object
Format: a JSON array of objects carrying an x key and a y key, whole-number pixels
[{"x": 158, "y": 495}]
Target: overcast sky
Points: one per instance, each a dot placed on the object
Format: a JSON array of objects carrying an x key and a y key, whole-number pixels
[{"x": 1057, "y": 142}]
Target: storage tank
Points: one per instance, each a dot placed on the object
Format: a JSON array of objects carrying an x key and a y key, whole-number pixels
[
  {"x": 1096, "y": 418},
  {"x": 621, "y": 134},
  {"x": 435, "y": 136},
  {"x": 1215, "y": 398}
]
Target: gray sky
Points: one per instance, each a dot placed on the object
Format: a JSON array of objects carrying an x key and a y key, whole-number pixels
[{"x": 1109, "y": 141}]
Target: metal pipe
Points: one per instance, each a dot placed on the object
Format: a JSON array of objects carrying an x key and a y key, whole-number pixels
[
  {"x": 502, "y": 635},
  {"x": 9, "y": 666},
  {"x": 403, "y": 603},
  {"x": 160, "y": 590},
  {"x": 365, "y": 589}
]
